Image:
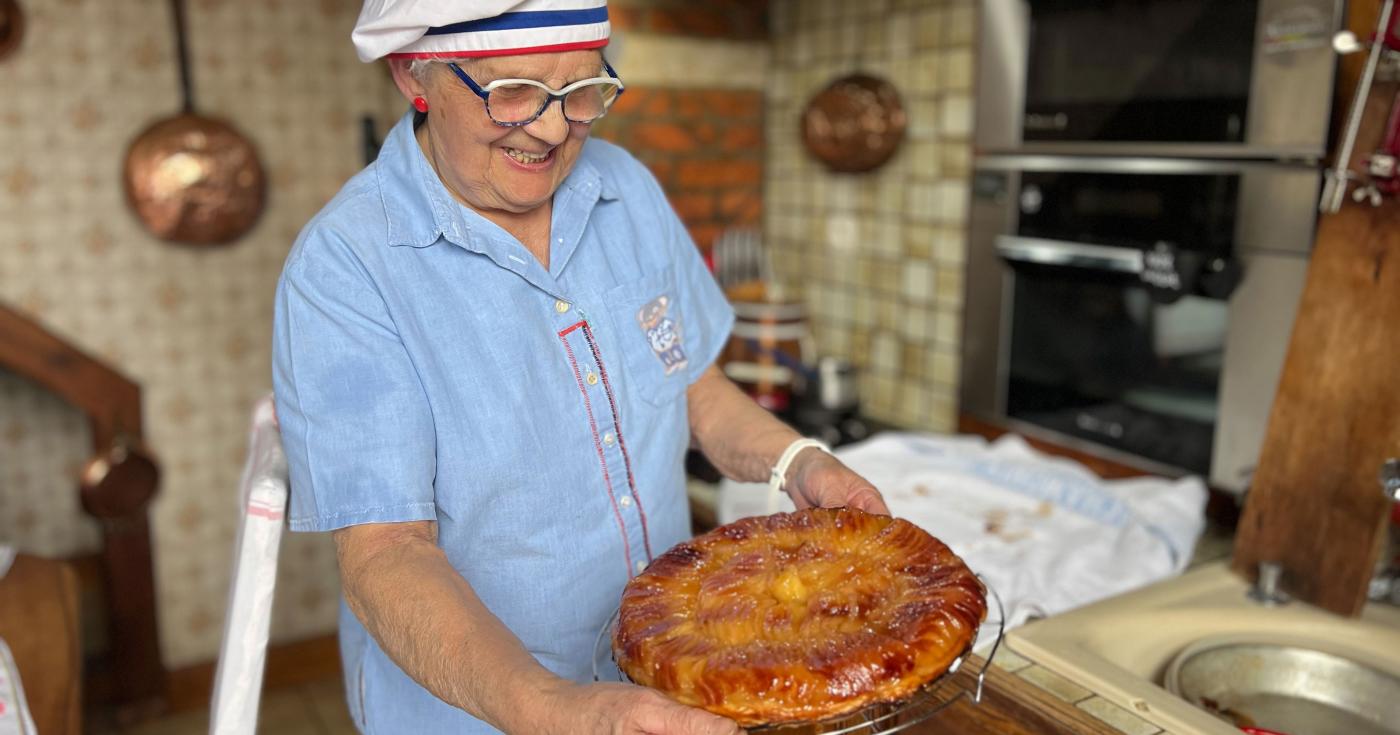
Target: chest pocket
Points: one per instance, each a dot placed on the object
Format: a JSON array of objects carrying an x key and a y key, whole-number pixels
[{"x": 650, "y": 326}]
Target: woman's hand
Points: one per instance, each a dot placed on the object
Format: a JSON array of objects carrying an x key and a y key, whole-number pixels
[
  {"x": 624, "y": 709},
  {"x": 817, "y": 479}
]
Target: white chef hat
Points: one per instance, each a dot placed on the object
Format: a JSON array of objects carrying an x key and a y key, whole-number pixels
[{"x": 419, "y": 29}]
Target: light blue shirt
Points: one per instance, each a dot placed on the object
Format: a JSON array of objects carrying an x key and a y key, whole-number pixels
[{"x": 427, "y": 367}]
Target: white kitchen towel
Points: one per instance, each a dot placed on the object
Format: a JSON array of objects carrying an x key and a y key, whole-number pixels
[
  {"x": 14, "y": 712},
  {"x": 1046, "y": 533},
  {"x": 262, "y": 503}
]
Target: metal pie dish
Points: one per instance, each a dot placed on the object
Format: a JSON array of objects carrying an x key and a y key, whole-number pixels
[
  {"x": 879, "y": 718},
  {"x": 1286, "y": 687}
]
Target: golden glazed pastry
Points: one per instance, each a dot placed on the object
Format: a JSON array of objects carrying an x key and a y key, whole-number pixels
[{"x": 797, "y": 617}]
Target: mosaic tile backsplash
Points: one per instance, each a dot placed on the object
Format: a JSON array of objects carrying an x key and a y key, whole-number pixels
[{"x": 878, "y": 256}]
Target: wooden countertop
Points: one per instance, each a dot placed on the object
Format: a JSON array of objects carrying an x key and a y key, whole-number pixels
[{"x": 1009, "y": 706}]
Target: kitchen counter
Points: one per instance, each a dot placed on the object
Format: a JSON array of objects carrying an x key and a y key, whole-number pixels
[{"x": 1014, "y": 703}]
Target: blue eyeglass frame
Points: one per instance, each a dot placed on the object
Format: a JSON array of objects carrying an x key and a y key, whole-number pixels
[{"x": 552, "y": 97}]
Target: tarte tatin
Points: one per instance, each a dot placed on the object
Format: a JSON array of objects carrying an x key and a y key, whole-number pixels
[{"x": 798, "y": 617}]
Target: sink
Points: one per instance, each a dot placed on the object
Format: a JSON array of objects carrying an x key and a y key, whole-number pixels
[
  {"x": 1122, "y": 648},
  {"x": 1286, "y": 688}
]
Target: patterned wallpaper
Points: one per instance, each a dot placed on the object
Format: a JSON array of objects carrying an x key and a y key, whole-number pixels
[
  {"x": 43, "y": 445},
  {"x": 193, "y": 326},
  {"x": 879, "y": 255}
]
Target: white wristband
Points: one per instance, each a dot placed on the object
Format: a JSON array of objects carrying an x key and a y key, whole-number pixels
[{"x": 778, "y": 477}]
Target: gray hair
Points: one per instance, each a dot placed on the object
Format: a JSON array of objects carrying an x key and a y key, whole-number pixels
[{"x": 420, "y": 68}]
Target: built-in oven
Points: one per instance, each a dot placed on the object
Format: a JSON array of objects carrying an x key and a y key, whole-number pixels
[
  {"x": 1198, "y": 78},
  {"x": 1140, "y": 305}
]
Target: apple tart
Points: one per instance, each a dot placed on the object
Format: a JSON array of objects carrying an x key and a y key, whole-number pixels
[{"x": 798, "y": 617}]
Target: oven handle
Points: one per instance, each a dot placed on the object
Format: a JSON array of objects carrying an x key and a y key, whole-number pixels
[{"x": 1072, "y": 254}]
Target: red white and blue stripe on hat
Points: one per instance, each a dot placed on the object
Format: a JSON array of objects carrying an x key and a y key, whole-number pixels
[{"x": 419, "y": 29}]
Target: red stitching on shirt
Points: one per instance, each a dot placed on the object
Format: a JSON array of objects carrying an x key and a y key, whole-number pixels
[
  {"x": 598, "y": 445},
  {"x": 617, "y": 422},
  {"x": 570, "y": 329}
]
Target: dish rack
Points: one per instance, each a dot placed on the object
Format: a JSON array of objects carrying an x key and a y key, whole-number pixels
[{"x": 878, "y": 719}]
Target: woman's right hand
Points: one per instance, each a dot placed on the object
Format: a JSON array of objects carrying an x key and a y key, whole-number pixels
[{"x": 625, "y": 709}]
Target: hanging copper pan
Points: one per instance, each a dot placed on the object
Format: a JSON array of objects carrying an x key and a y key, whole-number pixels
[
  {"x": 11, "y": 27},
  {"x": 193, "y": 179},
  {"x": 855, "y": 124}
]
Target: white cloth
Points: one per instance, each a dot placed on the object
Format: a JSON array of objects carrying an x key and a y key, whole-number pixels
[
  {"x": 455, "y": 29},
  {"x": 7, "y": 557},
  {"x": 14, "y": 711},
  {"x": 1046, "y": 533},
  {"x": 262, "y": 506}
]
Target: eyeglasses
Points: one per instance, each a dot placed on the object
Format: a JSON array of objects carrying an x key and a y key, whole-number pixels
[{"x": 516, "y": 102}]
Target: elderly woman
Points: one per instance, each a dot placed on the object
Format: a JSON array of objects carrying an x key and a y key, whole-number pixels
[{"x": 492, "y": 350}]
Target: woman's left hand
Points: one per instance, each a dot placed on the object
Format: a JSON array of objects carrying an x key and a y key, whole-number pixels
[{"x": 817, "y": 479}]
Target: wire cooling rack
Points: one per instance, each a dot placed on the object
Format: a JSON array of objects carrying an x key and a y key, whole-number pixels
[{"x": 878, "y": 719}]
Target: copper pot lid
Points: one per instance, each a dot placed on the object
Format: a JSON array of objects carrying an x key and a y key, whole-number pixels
[
  {"x": 855, "y": 124},
  {"x": 11, "y": 27}
]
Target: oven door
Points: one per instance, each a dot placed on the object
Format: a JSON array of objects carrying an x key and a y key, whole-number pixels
[
  {"x": 1092, "y": 354},
  {"x": 1229, "y": 78}
]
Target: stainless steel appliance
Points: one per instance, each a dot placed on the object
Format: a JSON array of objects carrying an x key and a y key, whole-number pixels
[
  {"x": 1143, "y": 205},
  {"x": 1199, "y": 78},
  {"x": 1142, "y": 305}
]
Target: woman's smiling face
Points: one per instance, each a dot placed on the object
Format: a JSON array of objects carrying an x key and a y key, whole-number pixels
[{"x": 488, "y": 166}]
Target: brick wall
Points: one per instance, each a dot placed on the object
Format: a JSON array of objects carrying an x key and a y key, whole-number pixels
[
  {"x": 698, "y": 124},
  {"x": 705, "y": 147},
  {"x": 728, "y": 19}
]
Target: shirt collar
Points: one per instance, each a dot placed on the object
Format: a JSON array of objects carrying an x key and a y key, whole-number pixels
[
  {"x": 415, "y": 202},
  {"x": 419, "y": 208}
]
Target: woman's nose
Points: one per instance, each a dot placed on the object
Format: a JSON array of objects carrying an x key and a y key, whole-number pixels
[{"x": 551, "y": 126}]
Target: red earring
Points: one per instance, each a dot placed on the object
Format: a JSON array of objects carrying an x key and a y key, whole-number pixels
[{"x": 420, "y": 104}]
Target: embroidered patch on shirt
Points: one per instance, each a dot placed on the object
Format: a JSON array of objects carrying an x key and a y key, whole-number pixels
[{"x": 663, "y": 334}]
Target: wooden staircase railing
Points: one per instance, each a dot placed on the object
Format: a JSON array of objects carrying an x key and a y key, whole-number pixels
[{"x": 116, "y": 487}]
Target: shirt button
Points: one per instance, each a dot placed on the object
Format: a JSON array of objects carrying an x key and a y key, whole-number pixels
[
  {"x": 561, "y": 306},
  {"x": 592, "y": 378},
  {"x": 640, "y": 566},
  {"x": 608, "y": 438},
  {"x": 626, "y": 501}
]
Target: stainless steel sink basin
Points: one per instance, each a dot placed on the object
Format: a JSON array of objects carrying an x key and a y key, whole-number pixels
[
  {"x": 1122, "y": 648},
  {"x": 1286, "y": 689}
]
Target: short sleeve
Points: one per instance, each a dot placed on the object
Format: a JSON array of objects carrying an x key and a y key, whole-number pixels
[{"x": 355, "y": 421}]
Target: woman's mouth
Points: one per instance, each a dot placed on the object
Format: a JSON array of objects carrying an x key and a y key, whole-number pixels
[{"x": 528, "y": 159}]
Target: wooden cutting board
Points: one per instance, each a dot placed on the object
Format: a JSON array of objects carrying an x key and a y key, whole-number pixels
[{"x": 1315, "y": 504}]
